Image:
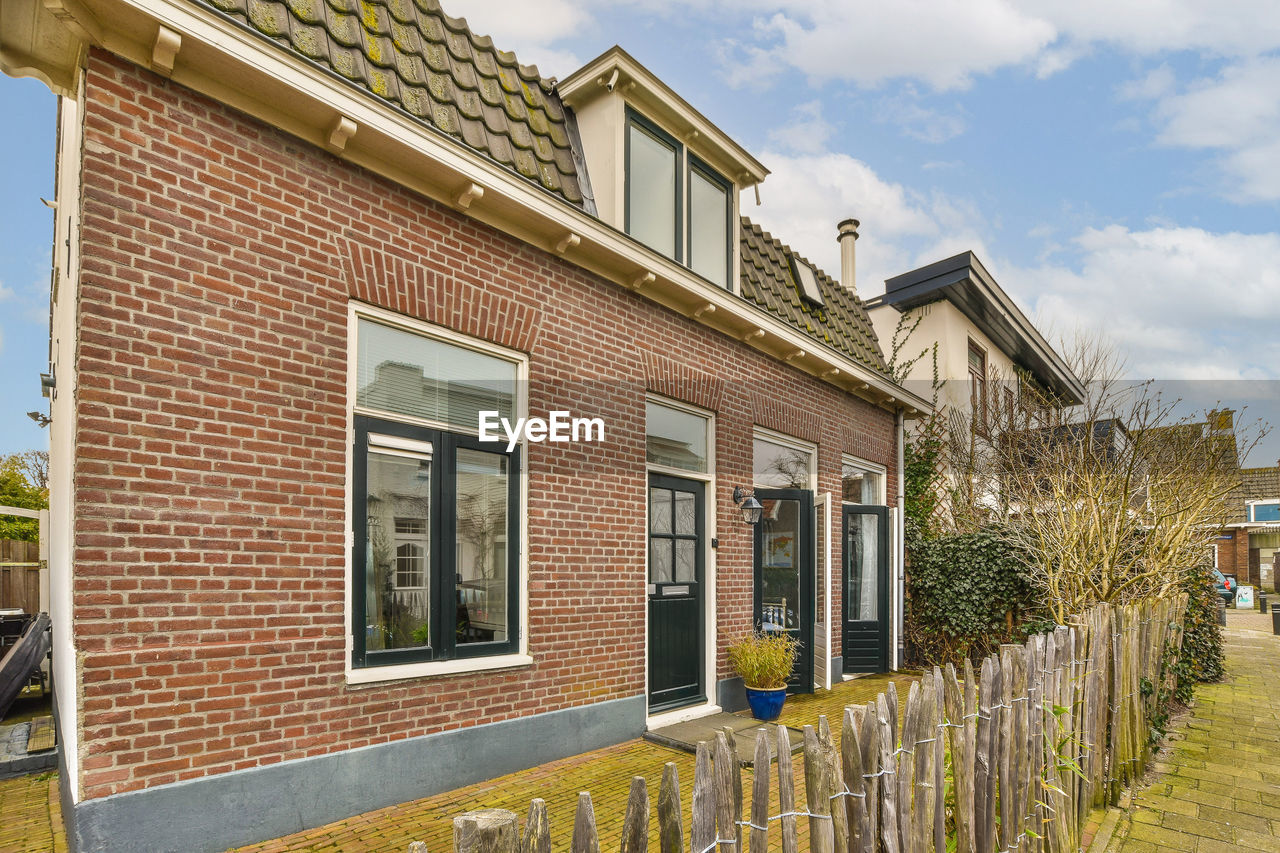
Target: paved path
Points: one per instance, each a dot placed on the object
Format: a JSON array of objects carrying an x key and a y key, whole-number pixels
[
  {"x": 1219, "y": 784},
  {"x": 605, "y": 773},
  {"x": 30, "y": 817}
]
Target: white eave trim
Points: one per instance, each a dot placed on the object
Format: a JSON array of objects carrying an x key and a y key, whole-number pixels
[
  {"x": 400, "y": 148},
  {"x": 615, "y": 70}
]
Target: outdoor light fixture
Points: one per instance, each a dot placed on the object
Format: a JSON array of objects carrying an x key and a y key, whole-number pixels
[
  {"x": 751, "y": 508},
  {"x": 40, "y": 419}
]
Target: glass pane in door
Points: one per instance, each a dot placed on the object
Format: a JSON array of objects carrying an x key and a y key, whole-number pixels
[
  {"x": 864, "y": 566},
  {"x": 780, "y": 565},
  {"x": 481, "y": 568},
  {"x": 398, "y": 545}
]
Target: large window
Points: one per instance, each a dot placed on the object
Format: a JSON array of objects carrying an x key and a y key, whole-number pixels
[
  {"x": 675, "y": 438},
  {"x": 676, "y": 203},
  {"x": 978, "y": 385},
  {"x": 779, "y": 465},
  {"x": 861, "y": 484},
  {"x": 436, "y": 512}
]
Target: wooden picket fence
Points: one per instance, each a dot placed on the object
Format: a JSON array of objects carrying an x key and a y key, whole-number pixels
[
  {"x": 20, "y": 575},
  {"x": 1011, "y": 756}
]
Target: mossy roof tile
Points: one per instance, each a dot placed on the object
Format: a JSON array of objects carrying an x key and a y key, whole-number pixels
[
  {"x": 767, "y": 281},
  {"x": 410, "y": 53}
]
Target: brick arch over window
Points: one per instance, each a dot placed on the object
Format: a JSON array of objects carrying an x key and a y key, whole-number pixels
[
  {"x": 388, "y": 281},
  {"x": 785, "y": 418},
  {"x": 866, "y": 443},
  {"x": 678, "y": 381}
]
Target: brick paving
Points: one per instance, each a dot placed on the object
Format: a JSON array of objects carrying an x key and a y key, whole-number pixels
[
  {"x": 605, "y": 773},
  {"x": 1218, "y": 786},
  {"x": 1217, "y": 789},
  {"x": 30, "y": 815}
]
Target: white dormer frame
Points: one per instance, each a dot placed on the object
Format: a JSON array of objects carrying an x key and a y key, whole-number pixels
[{"x": 607, "y": 94}]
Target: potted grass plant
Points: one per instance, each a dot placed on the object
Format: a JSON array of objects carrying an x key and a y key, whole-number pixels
[{"x": 764, "y": 660}]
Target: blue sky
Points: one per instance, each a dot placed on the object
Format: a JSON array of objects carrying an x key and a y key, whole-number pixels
[{"x": 1112, "y": 163}]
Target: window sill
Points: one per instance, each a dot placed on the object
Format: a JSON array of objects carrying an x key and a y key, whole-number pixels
[{"x": 398, "y": 672}]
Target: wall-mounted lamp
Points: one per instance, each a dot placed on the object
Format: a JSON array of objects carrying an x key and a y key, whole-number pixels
[
  {"x": 751, "y": 508},
  {"x": 40, "y": 419}
]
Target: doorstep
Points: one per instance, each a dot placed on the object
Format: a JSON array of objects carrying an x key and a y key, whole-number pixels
[{"x": 686, "y": 735}]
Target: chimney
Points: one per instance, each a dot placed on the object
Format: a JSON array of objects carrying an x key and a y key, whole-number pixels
[{"x": 847, "y": 235}]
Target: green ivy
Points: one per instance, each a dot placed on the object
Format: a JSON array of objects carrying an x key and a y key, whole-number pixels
[
  {"x": 1201, "y": 657},
  {"x": 921, "y": 455},
  {"x": 967, "y": 594}
]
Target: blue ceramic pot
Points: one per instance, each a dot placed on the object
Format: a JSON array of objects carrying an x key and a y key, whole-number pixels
[{"x": 766, "y": 705}]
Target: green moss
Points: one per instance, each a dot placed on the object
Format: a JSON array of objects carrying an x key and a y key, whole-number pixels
[
  {"x": 260, "y": 16},
  {"x": 304, "y": 10}
]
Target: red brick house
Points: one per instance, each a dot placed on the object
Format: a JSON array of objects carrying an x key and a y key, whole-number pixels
[{"x": 304, "y": 252}]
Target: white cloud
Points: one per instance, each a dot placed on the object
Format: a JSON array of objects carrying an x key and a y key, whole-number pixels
[
  {"x": 1180, "y": 302},
  {"x": 1220, "y": 27},
  {"x": 918, "y": 122},
  {"x": 806, "y": 132},
  {"x": 1235, "y": 113},
  {"x": 1156, "y": 83},
  {"x": 941, "y": 42},
  {"x": 808, "y": 194},
  {"x": 529, "y": 28}
]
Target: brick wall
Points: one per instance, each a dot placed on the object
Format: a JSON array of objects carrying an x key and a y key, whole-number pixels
[
  {"x": 219, "y": 257},
  {"x": 1233, "y": 555}
]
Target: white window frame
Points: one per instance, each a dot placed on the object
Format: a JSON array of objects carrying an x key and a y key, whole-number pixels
[
  {"x": 784, "y": 440},
  {"x": 709, "y": 609},
  {"x": 394, "y": 672},
  {"x": 1257, "y": 503},
  {"x": 870, "y": 467}
]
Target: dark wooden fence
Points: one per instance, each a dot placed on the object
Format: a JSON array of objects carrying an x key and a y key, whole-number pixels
[
  {"x": 20, "y": 575},
  {"x": 1035, "y": 738}
]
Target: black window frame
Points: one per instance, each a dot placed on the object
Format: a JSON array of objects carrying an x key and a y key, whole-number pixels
[
  {"x": 646, "y": 126},
  {"x": 978, "y": 388},
  {"x": 441, "y": 569},
  {"x": 699, "y": 166},
  {"x": 686, "y": 163}
]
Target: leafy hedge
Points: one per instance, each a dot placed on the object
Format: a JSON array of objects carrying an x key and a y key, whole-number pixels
[
  {"x": 1201, "y": 658},
  {"x": 967, "y": 594}
]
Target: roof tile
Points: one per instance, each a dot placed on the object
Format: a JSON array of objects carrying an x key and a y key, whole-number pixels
[
  {"x": 767, "y": 281},
  {"x": 410, "y": 53}
]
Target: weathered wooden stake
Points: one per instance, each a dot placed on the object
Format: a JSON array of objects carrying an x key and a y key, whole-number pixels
[
  {"x": 635, "y": 826},
  {"x": 537, "y": 832},
  {"x": 670, "y": 815},
  {"x": 485, "y": 831}
]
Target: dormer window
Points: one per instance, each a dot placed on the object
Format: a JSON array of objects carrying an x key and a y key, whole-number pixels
[
  {"x": 676, "y": 203},
  {"x": 808, "y": 281}
]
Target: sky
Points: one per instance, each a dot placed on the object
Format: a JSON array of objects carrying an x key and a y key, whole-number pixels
[{"x": 1115, "y": 164}]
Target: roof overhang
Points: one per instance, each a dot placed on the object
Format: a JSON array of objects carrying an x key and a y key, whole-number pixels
[
  {"x": 965, "y": 282},
  {"x": 212, "y": 55},
  {"x": 616, "y": 71}
]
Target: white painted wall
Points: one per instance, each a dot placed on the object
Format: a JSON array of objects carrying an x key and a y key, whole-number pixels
[
  {"x": 62, "y": 430},
  {"x": 945, "y": 324}
]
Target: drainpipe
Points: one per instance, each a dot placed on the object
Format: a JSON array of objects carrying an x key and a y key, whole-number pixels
[{"x": 900, "y": 551}]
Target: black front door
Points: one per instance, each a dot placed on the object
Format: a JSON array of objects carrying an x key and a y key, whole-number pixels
[
  {"x": 784, "y": 574},
  {"x": 676, "y": 557},
  {"x": 865, "y": 623}
]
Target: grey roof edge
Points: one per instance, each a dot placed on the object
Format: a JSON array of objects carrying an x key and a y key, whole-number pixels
[
  {"x": 580, "y": 162},
  {"x": 940, "y": 279}
]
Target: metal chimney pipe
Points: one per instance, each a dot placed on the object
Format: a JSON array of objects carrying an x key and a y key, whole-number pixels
[{"x": 847, "y": 235}]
